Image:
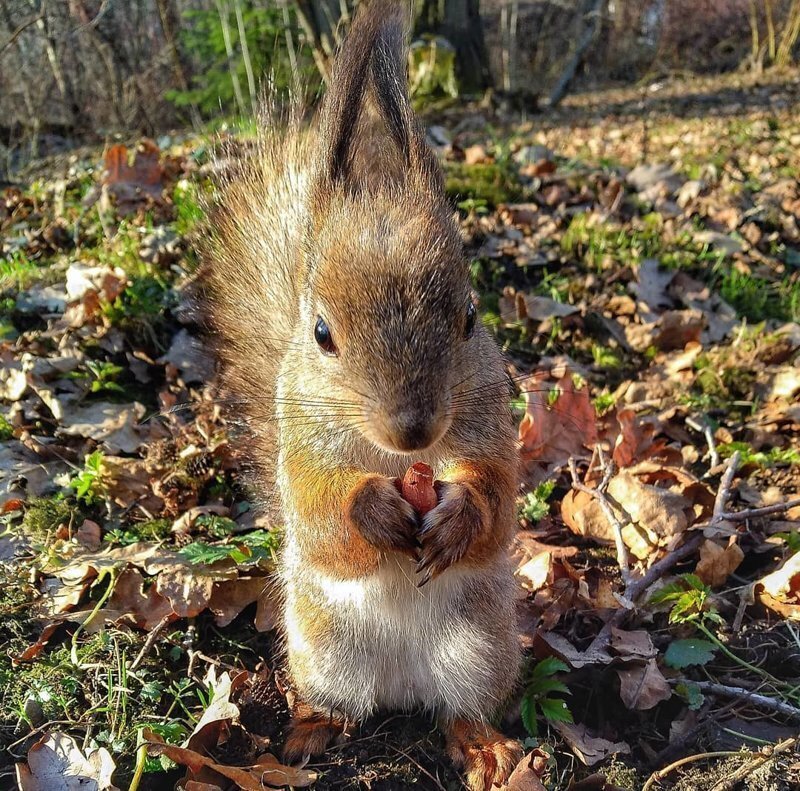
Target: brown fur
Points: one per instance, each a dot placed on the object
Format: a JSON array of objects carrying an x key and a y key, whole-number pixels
[{"x": 349, "y": 222}]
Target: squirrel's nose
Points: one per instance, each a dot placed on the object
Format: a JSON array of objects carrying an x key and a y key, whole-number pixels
[{"x": 412, "y": 430}]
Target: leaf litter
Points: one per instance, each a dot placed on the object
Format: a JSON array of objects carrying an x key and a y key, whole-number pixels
[{"x": 650, "y": 317}]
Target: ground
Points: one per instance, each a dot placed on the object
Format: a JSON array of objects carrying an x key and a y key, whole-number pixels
[{"x": 637, "y": 255}]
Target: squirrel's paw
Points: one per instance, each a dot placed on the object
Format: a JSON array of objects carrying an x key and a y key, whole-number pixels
[
  {"x": 378, "y": 511},
  {"x": 449, "y": 529},
  {"x": 483, "y": 754},
  {"x": 310, "y": 733}
]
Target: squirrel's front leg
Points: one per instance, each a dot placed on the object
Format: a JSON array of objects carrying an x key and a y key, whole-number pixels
[
  {"x": 473, "y": 520},
  {"x": 350, "y": 519}
]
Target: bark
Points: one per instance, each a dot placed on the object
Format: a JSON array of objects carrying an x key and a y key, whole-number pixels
[
  {"x": 561, "y": 87},
  {"x": 169, "y": 24},
  {"x": 459, "y": 21}
]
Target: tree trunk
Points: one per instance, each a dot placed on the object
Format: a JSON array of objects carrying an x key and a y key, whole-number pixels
[
  {"x": 459, "y": 21},
  {"x": 561, "y": 88},
  {"x": 168, "y": 22}
]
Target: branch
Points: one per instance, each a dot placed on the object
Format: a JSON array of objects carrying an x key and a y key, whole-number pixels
[
  {"x": 759, "y": 759},
  {"x": 623, "y": 558},
  {"x": 745, "y": 695},
  {"x": 18, "y": 32}
]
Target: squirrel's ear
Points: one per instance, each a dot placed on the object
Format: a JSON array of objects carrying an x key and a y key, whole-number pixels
[
  {"x": 344, "y": 99},
  {"x": 390, "y": 83},
  {"x": 371, "y": 64}
]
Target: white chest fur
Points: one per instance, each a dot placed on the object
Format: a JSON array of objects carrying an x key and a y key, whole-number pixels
[{"x": 390, "y": 644}]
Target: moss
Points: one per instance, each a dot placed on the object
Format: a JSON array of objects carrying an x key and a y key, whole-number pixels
[
  {"x": 485, "y": 182},
  {"x": 43, "y": 515}
]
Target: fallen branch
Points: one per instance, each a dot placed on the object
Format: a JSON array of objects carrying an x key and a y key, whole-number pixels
[
  {"x": 690, "y": 759},
  {"x": 745, "y": 695},
  {"x": 759, "y": 759},
  {"x": 724, "y": 492},
  {"x": 151, "y": 639},
  {"x": 752, "y": 513},
  {"x": 661, "y": 567},
  {"x": 599, "y": 494}
]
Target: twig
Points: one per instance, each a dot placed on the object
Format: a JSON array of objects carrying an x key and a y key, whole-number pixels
[
  {"x": 16, "y": 34},
  {"x": 623, "y": 559},
  {"x": 724, "y": 492},
  {"x": 759, "y": 759},
  {"x": 745, "y": 695},
  {"x": 704, "y": 428},
  {"x": 660, "y": 568},
  {"x": 151, "y": 639},
  {"x": 662, "y": 773},
  {"x": 751, "y": 513}
]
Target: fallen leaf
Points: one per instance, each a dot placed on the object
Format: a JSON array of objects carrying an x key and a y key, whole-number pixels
[
  {"x": 112, "y": 424},
  {"x": 525, "y": 777},
  {"x": 642, "y": 685},
  {"x": 717, "y": 563},
  {"x": 56, "y": 763},
  {"x": 230, "y": 597},
  {"x": 780, "y": 590},
  {"x": 559, "y": 420},
  {"x": 188, "y": 591},
  {"x": 145, "y": 605},
  {"x": 632, "y": 645},
  {"x": 589, "y": 749}
]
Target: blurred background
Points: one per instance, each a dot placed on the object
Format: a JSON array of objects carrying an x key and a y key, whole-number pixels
[{"x": 78, "y": 70}]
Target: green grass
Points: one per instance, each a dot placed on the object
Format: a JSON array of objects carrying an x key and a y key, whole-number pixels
[
  {"x": 18, "y": 271},
  {"x": 489, "y": 183}
]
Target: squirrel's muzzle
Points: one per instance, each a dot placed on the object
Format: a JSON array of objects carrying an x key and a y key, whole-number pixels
[{"x": 411, "y": 430}]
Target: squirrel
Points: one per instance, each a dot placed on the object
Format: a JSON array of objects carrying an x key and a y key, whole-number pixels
[{"x": 336, "y": 285}]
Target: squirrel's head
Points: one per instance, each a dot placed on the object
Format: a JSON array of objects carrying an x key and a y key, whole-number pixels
[
  {"x": 389, "y": 317},
  {"x": 386, "y": 310}
]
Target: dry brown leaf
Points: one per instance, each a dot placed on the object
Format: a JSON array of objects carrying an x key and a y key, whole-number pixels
[
  {"x": 633, "y": 645},
  {"x": 187, "y": 590},
  {"x": 525, "y": 776},
  {"x": 88, "y": 535},
  {"x": 589, "y": 749},
  {"x": 780, "y": 590},
  {"x": 552, "y": 644},
  {"x": 717, "y": 563},
  {"x": 656, "y": 514},
  {"x": 147, "y": 607},
  {"x": 230, "y": 597},
  {"x": 642, "y": 685},
  {"x": 553, "y": 431},
  {"x": 56, "y": 763}
]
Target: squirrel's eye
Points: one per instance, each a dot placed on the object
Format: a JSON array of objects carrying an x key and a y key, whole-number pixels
[
  {"x": 471, "y": 316},
  {"x": 322, "y": 335}
]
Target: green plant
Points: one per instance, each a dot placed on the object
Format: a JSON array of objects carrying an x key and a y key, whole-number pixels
[
  {"x": 534, "y": 505},
  {"x": 144, "y": 299},
  {"x": 487, "y": 182},
  {"x": 536, "y": 699},
  {"x": 691, "y": 604},
  {"x": 87, "y": 483},
  {"x": 102, "y": 376},
  {"x": 256, "y": 546},
  {"x": 18, "y": 271},
  {"x": 222, "y": 82},
  {"x": 792, "y": 539},
  {"x": 605, "y": 357},
  {"x": 769, "y": 458},
  {"x": 6, "y": 429},
  {"x": 603, "y": 402},
  {"x": 188, "y": 209}
]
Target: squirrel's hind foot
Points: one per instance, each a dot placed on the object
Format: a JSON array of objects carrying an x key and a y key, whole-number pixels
[
  {"x": 483, "y": 754},
  {"x": 311, "y": 732}
]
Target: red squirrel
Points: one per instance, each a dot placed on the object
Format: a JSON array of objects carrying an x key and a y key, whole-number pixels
[{"x": 339, "y": 293}]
